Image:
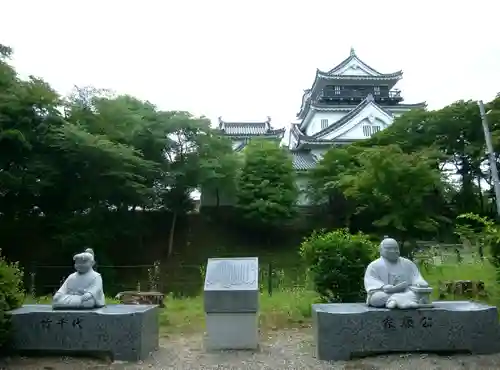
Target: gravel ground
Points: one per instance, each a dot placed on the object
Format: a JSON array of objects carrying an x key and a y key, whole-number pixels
[{"x": 290, "y": 349}]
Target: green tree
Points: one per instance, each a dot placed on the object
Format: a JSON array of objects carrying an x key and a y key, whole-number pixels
[
  {"x": 324, "y": 180},
  {"x": 219, "y": 168},
  {"x": 181, "y": 150},
  {"x": 403, "y": 193},
  {"x": 28, "y": 114},
  {"x": 337, "y": 261},
  {"x": 196, "y": 155},
  {"x": 266, "y": 187},
  {"x": 67, "y": 164},
  {"x": 456, "y": 132}
]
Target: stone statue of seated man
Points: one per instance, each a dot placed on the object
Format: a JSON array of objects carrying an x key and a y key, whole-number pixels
[
  {"x": 395, "y": 282},
  {"x": 83, "y": 288}
]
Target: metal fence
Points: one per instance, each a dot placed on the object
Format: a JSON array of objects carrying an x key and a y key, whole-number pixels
[
  {"x": 45, "y": 280},
  {"x": 187, "y": 280},
  {"x": 184, "y": 280}
]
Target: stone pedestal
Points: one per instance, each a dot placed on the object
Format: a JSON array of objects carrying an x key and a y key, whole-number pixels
[
  {"x": 343, "y": 331},
  {"x": 231, "y": 302},
  {"x": 232, "y": 331},
  {"x": 124, "y": 332}
]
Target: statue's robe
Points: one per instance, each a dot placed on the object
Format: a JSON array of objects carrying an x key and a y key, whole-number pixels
[
  {"x": 75, "y": 286},
  {"x": 380, "y": 273}
]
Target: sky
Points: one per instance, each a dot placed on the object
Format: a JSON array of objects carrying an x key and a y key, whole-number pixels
[{"x": 245, "y": 61}]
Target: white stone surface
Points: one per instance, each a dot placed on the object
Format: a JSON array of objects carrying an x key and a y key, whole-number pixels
[
  {"x": 232, "y": 331},
  {"x": 227, "y": 274}
]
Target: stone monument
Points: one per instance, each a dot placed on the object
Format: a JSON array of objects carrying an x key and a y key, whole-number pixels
[
  {"x": 231, "y": 302},
  {"x": 83, "y": 288},
  {"x": 398, "y": 317},
  {"x": 78, "y": 321}
]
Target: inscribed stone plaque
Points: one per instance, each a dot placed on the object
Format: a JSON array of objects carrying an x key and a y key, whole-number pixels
[
  {"x": 126, "y": 332},
  {"x": 232, "y": 285},
  {"x": 346, "y": 330}
]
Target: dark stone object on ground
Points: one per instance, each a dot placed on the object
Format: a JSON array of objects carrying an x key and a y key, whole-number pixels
[
  {"x": 134, "y": 297},
  {"x": 462, "y": 288},
  {"x": 346, "y": 330},
  {"x": 124, "y": 332}
]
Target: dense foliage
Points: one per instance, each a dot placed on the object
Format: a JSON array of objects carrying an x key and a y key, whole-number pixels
[
  {"x": 413, "y": 178},
  {"x": 11, "y": 294},
  {"x": 266, "y": 187},
  {"x": 337, "y": 261},
  {"x": 83, "y": 170},
  {"x": 480, "y": 233},
  {"x": 69, "y": 166}
]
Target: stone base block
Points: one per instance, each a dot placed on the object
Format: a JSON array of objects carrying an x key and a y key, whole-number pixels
[
  {"x": 232, "y": 331},
  {"x": 217, "y": 301},
  {"x": 343, "y": 331},
  {"x": 124, "y": 332}
]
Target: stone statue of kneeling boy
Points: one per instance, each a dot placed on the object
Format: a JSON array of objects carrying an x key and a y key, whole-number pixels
[
  {"x": 392, "y": 281},
  {"x": 83, "y": 288}
]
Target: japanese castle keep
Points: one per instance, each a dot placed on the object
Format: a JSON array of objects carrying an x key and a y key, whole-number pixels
[{"x": 350, "y": 102}]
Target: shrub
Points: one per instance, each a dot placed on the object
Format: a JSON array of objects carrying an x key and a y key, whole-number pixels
[
  {"x": 11, "y": 294},
  {"x": 337, "y": 261},
  {"x": 486, "y": 233}
]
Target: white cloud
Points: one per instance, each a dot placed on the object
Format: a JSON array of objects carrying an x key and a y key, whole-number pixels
[{"x": 249, "y": 60}]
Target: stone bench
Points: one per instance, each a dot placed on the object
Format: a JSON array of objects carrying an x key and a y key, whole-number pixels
[
  {"x": 124, "y": 332},
  {"x": 343, "y": 331}
]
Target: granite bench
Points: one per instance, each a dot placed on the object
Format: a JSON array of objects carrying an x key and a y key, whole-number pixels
[
  {"x": 346, "y": 330},
  {"x": 123, "y": 332}
]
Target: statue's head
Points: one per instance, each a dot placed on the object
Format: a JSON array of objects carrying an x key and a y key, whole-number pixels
[
  {"x": 84, "y": 261},
  {"x": 389, "y": 249}
]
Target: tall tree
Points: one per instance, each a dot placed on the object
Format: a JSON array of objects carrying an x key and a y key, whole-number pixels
[
  {"x": 324, "y": 183},
  {"x": 28, "y": 114},
  {"x": 266, "y": 188},
  {"x": 105, "y": 154},
  {"x": 456, "y": 132},
  {"x": 403, "y": 193}
]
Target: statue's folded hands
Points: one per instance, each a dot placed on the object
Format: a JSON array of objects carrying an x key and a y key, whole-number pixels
[
  {"x": 87, "y": 296},
  {"x": 391, "y": 289}
]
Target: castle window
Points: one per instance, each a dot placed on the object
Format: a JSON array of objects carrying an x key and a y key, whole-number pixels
[
  {"x": 367, "y": 130},
  {"x": 370, "y": 130},
  {"x": 324, "y": 124},
  {"x": 376, "y": 90},
  {"x": 337, "y": 90}
]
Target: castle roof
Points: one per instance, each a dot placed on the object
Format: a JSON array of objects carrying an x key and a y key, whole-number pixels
[{"x": 250, "y": 129}]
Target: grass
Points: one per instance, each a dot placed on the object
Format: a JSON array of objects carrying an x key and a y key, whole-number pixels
[
  {"x": 474, "y": 270},
  {"x": 292, "y": 307},
  {"x": 285, "y": 308}
]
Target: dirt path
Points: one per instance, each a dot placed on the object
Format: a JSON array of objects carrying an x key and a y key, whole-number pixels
[{"x": 290, "y": 349}]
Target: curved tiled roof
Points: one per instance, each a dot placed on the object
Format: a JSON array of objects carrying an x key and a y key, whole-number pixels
[
  {"x": 303, "y": 160},
  {"x": 315, "y": 140},
  {"x": 250, "y": 129},
  {"x": 384, "y": 77},
  {"x": 369, "y": 99},
  {"x": 306, "y": 141},
  {"x": 322, "y": 78},
  {"x": 332, "y": 75},
  {"x": 352, "y": 56}
]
